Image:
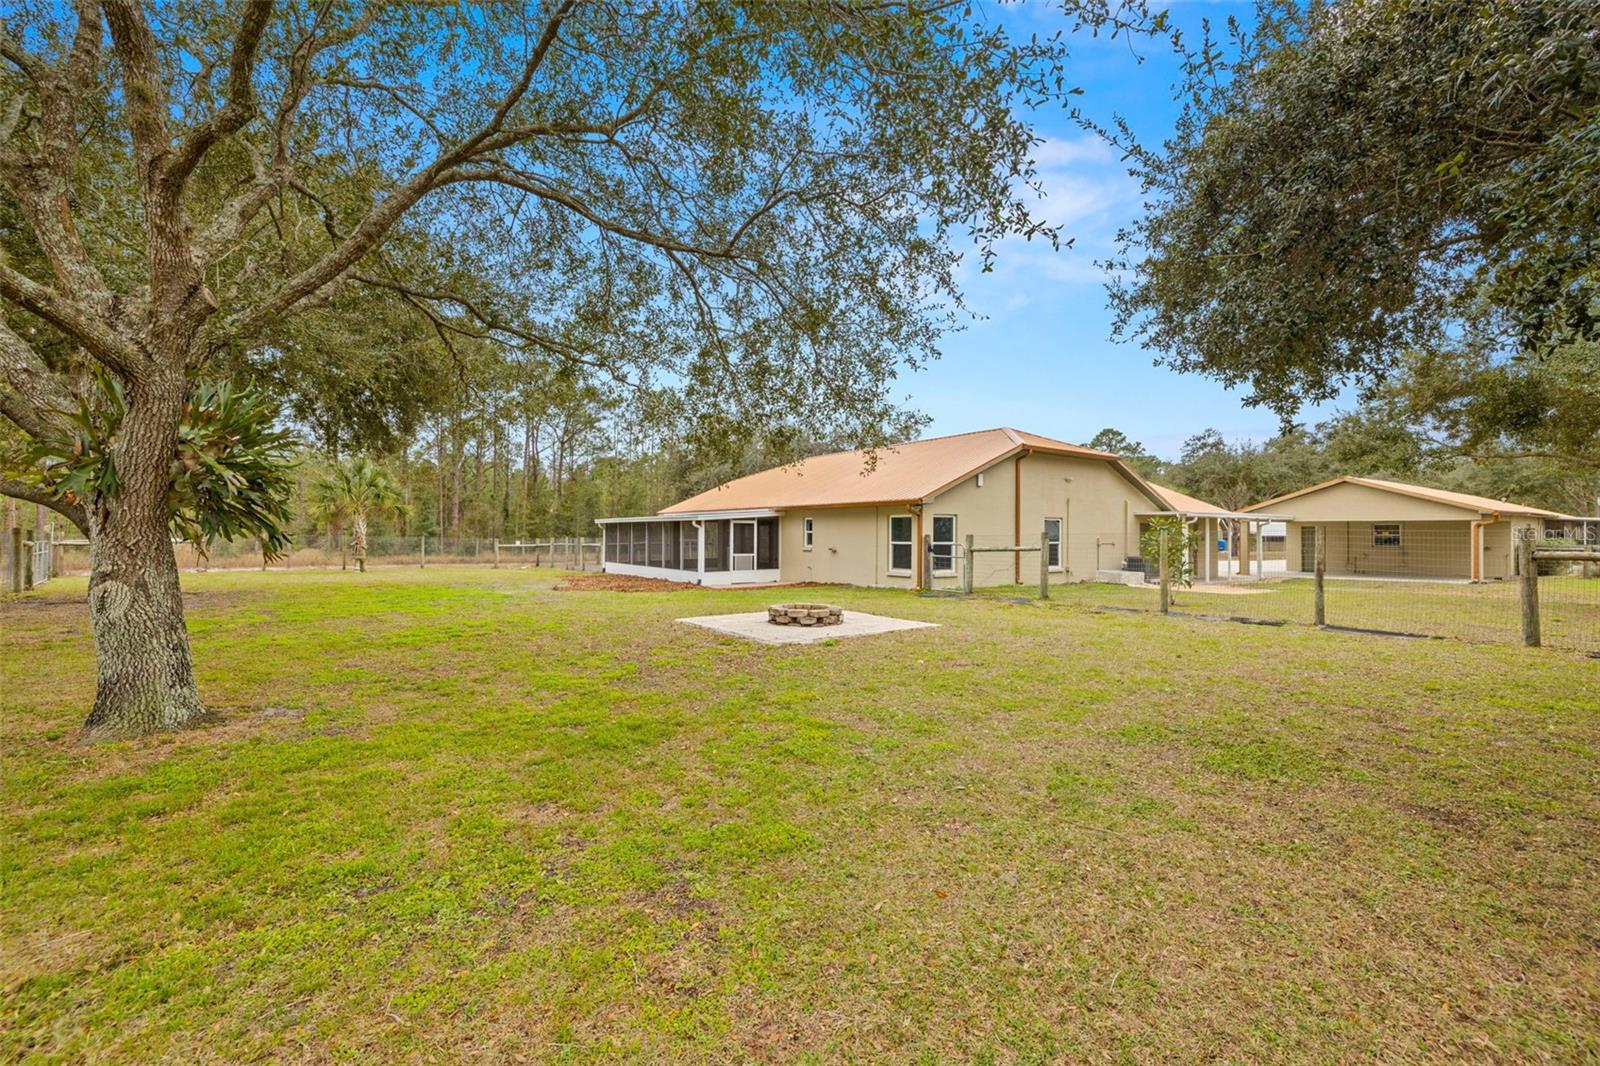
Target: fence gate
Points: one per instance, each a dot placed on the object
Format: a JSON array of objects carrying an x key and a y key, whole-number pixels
[{"x": 42, "y": 552}]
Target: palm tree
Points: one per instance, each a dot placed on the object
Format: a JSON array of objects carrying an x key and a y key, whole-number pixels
[{"x": 352, "y": 491}]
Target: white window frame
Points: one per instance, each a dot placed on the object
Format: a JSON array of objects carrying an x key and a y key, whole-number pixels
[
  {"x": 1386, "y": 526},
  {"x": 807, "y": 534},
  {"x": 954, "y": 537},
  {"x": 1059, "y": 566},
  {"x": 910, "y": 542}
]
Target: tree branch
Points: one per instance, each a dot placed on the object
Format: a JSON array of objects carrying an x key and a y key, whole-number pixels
[
  {"x": 21, "y": 490},
  {"x": 489, "y": 324},
  {"x": 99, "y": 339},
  {"x": 38, "y": 391},
  {"x": 42, "y": 181},
  {"x": 372, "y": 228},
  {"x": 516, "y": 180},
  {"x": 241, "y": 105}
]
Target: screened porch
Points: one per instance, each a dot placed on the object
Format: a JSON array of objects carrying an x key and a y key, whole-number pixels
[{"x": 728, "y": 548}]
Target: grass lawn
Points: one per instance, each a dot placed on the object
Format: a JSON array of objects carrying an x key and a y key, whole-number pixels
[
  {"x": 455, "y": 815},
  {"x": 1489, "y": 612}
]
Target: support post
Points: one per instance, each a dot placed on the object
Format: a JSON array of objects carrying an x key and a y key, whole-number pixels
[
  {"x": 1530, "y": 589},
  {"x": 1044, "y": 564},
  {"x": 1261, "y": 552},
  {"x": 1319, "y": 601},
  {"x": 1166, "y": 576},
  {"x": 16, "y": 559},
  {"x": 496, "y": 553},
  {"x": 966, "y": 566}
]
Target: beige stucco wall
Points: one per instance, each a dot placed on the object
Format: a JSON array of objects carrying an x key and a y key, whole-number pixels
[
  {"x": 1427, "y": 548},
  {"x": 1358, "y": 503},
  {"x": 850, "y": 545}
]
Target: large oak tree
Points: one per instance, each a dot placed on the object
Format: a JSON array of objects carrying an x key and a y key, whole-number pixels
[
  {"x": 1351, "y": 183},
  {"x": 754, "y": 208}
]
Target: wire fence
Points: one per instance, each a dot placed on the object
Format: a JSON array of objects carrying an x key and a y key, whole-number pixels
[
  {"x": 1458, "y": 585},
  {"x": 330, "y": 551}
]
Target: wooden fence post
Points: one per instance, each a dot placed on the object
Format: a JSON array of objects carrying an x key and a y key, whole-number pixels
[
  {"x": 1044, "y": 564},
  {"x": 927, "y": 562},
  {"x": 1530, "y": 589},
  {"x": 1166, "y": 576},
  {"x": 966, "y": 567},
  {"x": 424, "y": 546},
  {"x": 16, "y": 559},
  {"x": 1319, "y": 601},
  {"x": 496, "y": 553}
]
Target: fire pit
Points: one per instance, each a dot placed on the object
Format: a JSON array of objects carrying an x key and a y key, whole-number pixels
[{"x": 804, "y": 614}]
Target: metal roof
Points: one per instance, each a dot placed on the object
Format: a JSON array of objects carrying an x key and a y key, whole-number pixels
[
  {"x": 1464, "y": 500},
  {"x": 895, "y": 474},
  {"x": 692, "y": 516}
]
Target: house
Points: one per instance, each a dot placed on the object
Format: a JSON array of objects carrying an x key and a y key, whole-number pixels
[
  {"x": 1382, "y": 528},
  {"x": 886, "y": 519}
]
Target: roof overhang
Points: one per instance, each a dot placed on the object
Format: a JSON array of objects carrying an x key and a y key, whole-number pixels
[
  {"x": 690, "y": 516},
  {"x": 1243, "y": 516}
]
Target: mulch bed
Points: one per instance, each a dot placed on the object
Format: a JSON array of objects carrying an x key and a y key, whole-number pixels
[
  {"x": 620, "y": 583},
  {"x": 628, "y": 583}
]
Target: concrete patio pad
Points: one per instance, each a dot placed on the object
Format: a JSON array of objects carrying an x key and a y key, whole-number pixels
[{"x": 754, "y": 626}]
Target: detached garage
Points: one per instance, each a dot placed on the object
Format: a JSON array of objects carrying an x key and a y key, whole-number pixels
[{"x": 1376, "y": 528}]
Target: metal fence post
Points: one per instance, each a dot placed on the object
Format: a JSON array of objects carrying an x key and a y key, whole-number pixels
[
  {"x": 966, "y": 567},
  {"x": 1530, "y": 589},
  {"x": 1319, "y": 602},
  {"x": 1044, "y": 564},
  {"x": 1166, "y": 576}
]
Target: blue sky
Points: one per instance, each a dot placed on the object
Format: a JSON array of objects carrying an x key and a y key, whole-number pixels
[{"x": 1042, "y": 359}]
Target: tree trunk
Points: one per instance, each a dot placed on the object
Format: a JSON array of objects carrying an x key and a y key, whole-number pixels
[
  {"x": 358, "y": 539},
  {"x": 145, "y": 676}
]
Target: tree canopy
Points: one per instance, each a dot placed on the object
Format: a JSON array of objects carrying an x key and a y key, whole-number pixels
[
  {"x": 747, "y": 216},
  {"x": 1351, "y": 182}
]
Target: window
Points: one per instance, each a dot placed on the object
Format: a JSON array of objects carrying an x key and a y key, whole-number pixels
[
  {"x": 1052, "y": 528},
  {"x": 1386, "y": 535},
  {"x": 900, "y": 544},
  {"x": 944, "y": 544},
  {"x": 806, "y": 531}
]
